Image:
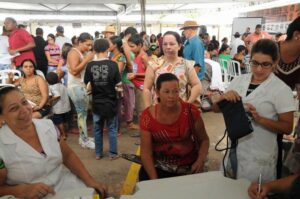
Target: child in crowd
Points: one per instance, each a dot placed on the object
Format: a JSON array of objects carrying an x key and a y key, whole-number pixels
[
  {"x": 105, "y": 79},
  {"x": 61, "y": 101},
  {"x": 137, "y": 76}
]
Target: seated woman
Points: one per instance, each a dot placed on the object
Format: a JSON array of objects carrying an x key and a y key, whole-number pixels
[
  {"x": 32, "y": 154},
  {"x": 34, "y": 87},
  {"x": 224, "y": 54},
  {"x": 271, "y": 104},
  {"x": 171, "y": 132},
  {"x": 240, "y": 57}
]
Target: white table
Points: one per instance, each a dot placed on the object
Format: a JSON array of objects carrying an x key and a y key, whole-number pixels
[{"x": 210, "y": 185}]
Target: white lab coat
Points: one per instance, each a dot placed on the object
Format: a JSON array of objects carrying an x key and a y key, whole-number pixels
[
  {"x": 257, "y": 152},
  {"x": 26, "y": 165}
]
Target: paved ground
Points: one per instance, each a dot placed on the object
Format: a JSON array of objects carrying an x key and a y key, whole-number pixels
[{"x": 114, "y": 172}]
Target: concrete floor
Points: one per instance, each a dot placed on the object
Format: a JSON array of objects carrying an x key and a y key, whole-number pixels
[{"x": 114, "y": 173}]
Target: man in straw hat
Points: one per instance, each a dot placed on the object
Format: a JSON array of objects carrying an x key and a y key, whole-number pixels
[
  {"x": 193, "y": 47},
  {"x": 109, "y": 31}
]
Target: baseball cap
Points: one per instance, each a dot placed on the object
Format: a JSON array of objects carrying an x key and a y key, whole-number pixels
[{"x": 59, "y": 29}]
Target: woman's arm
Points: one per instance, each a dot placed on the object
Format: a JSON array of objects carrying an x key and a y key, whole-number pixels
[
  {"x": 284, "y": 124},
  {"x": 75, "y": 65},
  {"x": 127, "y": 52},
  {"x": 195, "y": 84},
  {"x": 30, "y": 191},
  {"x": 43, "y": 86},
  {"x": 203, "y": 140},
  {"x": 72, "y": 162},
  {"x": 121, "y": 66},
  {"x": 148, "y": 85},
  {"x": 147, "y": 154}
]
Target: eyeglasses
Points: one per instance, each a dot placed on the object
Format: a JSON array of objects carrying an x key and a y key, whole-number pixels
[{"x": 264, "y": 65}]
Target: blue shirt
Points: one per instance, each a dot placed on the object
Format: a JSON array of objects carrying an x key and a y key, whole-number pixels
[{"x": 194, "y": 50}]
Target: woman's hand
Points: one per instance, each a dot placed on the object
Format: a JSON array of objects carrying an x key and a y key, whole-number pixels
[
  {"x": 197, "y": 167},
  {"x": 100, "y": 188},
  {"x": 130, "y": 76},
  {"x": 36, "y": 191},
  {"x": 232, "y": 96},
  {"x": 251, "y": 109},
  {"x": 253, "y": 193}
]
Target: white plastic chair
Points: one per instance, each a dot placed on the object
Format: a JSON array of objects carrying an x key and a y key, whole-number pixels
[
  {"x": 234, "y": 69},
  {"x": 4, "y": 75},
  {"x": 40, "y": 73}
]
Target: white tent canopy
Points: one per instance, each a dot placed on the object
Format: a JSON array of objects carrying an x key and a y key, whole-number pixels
[{"x": 110, "y": 11}]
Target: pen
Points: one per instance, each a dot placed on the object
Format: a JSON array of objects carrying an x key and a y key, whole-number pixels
[{"x": 259, "y": 184}]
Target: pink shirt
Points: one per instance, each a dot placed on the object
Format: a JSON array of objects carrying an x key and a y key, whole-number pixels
[
  {"x": 253, "y": 37},
  {"x": 20, "y": 38}
]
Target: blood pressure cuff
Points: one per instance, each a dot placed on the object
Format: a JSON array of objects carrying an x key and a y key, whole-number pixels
[{"x": 236, "y": 120}]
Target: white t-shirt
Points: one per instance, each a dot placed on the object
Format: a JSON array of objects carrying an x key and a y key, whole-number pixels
[
  {"x": 4, "y": 49},
  {"x": 234, "y": 45},
  {"x": 62, "y": 40},
  {"x": 63, "y": 104}
]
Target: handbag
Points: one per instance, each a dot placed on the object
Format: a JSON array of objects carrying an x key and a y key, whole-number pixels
[{"x": 238, "y": 124}]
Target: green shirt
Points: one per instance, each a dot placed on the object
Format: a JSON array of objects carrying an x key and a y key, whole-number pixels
[
  {"x": 224, "y": 57},
  {"x": 125, "y": 71}
]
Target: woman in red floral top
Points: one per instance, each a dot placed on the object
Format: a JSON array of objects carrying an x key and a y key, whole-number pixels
[{"x": 166, "y": 135}]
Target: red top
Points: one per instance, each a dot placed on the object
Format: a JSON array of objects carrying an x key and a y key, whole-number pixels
[
  {"x": 17, "y": 39},
  {"x": 172, "y": 143},
  {"x": 138, "y": 67}
]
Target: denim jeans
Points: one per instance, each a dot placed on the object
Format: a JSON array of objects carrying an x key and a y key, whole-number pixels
[
  {"x": 4, "y": 66},
  {"x": 51, "y": 69},
  {"x": 81, "y": 101},
  {"x": 112, "y": 125}
]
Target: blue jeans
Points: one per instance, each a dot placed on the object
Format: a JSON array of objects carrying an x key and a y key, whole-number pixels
[
  {"x": 81, "y": 101},
  {"x": 51, "y": 69},
  {"x": 4, "y": 66},
  {"x": 112, "y": 125}
]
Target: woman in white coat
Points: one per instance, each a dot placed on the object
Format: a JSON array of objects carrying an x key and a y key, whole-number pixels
[
  {"x": 32, "y": 156},
  {"x": 270, "y": 101}
]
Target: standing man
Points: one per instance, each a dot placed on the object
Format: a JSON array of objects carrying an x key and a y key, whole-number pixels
[
  {"x": 4, "y": 63},
  {"x": 109, "y": 31},
  {"x": 39, "y": 52},
  {"x": 60, "y": 39},
  {"x": 255, "y": 36},
  {"x": 20, "y": 41},
  {"x": 193, "y": 47}
]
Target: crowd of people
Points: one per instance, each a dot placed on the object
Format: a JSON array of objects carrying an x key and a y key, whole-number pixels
[{"x": 158, "y": 79}]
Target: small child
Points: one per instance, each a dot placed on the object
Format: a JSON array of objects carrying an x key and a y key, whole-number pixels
[{"x": 61, "y": 104}]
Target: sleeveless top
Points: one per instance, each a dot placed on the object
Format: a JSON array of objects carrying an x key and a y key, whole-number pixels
[
  {"x": 289, "y": 72},
  {"x": 138, "y": 67},
  {"x": 74, "y": 81},
  {"x": 31, "y": 92}
]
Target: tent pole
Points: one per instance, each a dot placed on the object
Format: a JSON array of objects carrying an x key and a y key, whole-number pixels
[{"x": 143, "y": 14}]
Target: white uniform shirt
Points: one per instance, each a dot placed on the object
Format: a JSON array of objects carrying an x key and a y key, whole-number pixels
[
  {"x": 257, "y": 152},
  {"x": 26, "y": 165}
]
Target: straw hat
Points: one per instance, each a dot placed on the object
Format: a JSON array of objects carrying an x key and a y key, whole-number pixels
[
  {"x": 109, "y": 29},
  {"x": 189, "y": 24}
]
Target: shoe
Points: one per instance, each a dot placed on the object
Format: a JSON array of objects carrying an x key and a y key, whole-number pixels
[
  {"x": 133, "y": 126},
  {"x": 99, "y": 157},
  {"x": 89, "y": 144},
  {"x": 113, "y": 157}
]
